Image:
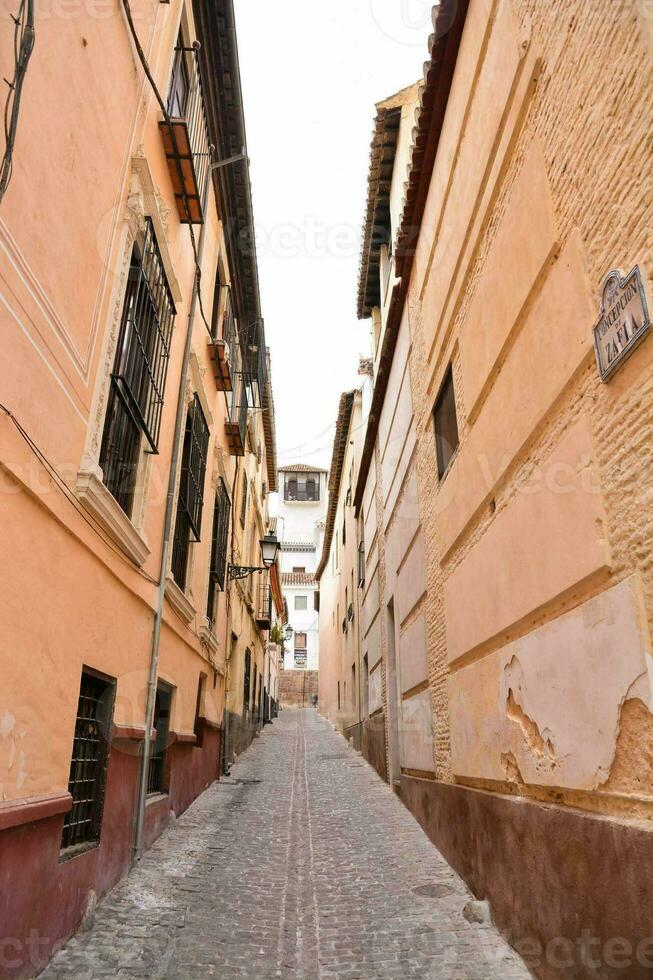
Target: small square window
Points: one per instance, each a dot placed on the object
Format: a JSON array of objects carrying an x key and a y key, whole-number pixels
[
  {"x": 301, "y": 603},
  {"x": 446, "y": 425}
]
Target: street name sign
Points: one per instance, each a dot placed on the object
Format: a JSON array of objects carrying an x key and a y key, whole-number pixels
[{"x": 623, "y": 323}]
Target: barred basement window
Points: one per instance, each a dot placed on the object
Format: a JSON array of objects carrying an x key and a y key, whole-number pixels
[
  {"x": 221, "y": 513},
  {"x": 191, "y": 490},
  {"x": 139, "y": 375},
  {"x": 88, "y": 766}
]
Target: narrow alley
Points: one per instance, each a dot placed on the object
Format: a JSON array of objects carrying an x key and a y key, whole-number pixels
[{"x": 302, "y": 863}]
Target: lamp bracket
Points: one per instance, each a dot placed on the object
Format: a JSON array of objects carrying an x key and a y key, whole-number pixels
[{"x": 242, "y": 571}]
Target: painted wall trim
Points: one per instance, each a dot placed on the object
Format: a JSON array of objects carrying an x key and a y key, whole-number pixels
[{"x": 16, "y": 813}]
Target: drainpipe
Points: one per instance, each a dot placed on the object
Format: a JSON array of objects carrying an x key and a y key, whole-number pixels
[
  {"x": 226, "y": 766},
  {"x": 165, "y": 553}
]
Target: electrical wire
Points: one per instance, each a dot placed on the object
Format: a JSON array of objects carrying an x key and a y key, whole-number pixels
[
  {"x": 97, "y": 529},
  {"x": 173, "y": 136},
  {"x": 23, "y": 47}
]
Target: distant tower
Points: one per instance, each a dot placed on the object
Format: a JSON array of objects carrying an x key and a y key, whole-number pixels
[{"x": 300, "y": 527}]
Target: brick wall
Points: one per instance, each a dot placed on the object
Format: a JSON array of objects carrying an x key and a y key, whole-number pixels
[{"x": 296, "y": 688}]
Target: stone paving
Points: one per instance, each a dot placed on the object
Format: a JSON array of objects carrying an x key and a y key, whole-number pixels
[{"x": 303, "y": 864}]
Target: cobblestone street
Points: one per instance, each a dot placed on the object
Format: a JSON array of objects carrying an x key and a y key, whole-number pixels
[{"x": 301, "y": 864}]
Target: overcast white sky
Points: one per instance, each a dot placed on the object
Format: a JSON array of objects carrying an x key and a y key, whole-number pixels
[{"x": 312, "y": 73}]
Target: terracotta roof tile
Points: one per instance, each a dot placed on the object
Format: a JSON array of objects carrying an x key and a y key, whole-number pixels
[
  {"x": 301, "y": 468},
  {"x": 297, "y": 578}
]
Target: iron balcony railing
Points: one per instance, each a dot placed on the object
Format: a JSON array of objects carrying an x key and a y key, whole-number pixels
[
  {"x": 238, "y": 414},
  {"x": 224, "y": 337},
  {"x": 264, "y": 603},
  {"x": 254, "y": 361},
  {"x": 190, "y": 151},
  {"x": 229, "y": 322},
  {"x": 295, "y": 494}
]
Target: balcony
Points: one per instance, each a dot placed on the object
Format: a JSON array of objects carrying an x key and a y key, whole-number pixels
[
  {"x": 263, "y": 614},
  {"x": 222, "y": 349},
  {"x": 186, "y": 138},
  {"x": 236, "y": 426}
]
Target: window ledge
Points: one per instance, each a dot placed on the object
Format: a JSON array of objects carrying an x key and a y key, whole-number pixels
[
  {"x": 208, "y": 638},
  {"x": 95, "y": 497},
  {"x": 179, "y": 600}
]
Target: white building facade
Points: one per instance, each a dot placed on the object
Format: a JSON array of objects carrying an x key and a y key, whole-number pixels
[{"x": 300, "y": 527}]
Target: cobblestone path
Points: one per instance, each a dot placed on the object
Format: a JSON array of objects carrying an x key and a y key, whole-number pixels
[{"x": 302, "y": 863}]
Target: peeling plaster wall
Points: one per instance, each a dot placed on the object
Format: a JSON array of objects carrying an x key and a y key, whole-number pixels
[
  {"x": 548, "y": 706},
  {"x": 539, "y": 542}
]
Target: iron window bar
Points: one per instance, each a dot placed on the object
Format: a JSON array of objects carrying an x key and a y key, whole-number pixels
[
  {"x": 361, "y": 565},
  {"x": 219, "y": 539},
  {"x": 191, "y": 489},
  {"x": 186, "y": 104},
  {"x": 243, "y": 502},
  {"x": 140, "y": 371},
  {"x": 222, "y": 346},
  {"x": 86, "y": 784},
  {"x": 239, "y": 407},
  {"x": 254, "y": 362},
  {"x": 193, "y": 472},
  {"x": 298, "y": 491},
  {"x": 264, "y": 603},
  {"x": 247, "y": 680},
  {"x": 144, "y": 344}
]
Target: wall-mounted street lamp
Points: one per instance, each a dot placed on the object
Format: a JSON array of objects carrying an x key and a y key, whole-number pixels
[{"x": 269, "y": 549}]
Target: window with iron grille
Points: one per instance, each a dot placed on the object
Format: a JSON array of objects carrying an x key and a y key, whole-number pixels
[
  {"x": 248, "y": 673},
  {"x": 156, "y": 774},
  {"x": 220, "y": 536},
  {"x": 140, "y": 369},
  {"x": 191, "y": 490},
  {"x": 301, "y": 487},
  {"x": 243, "y": 502},
  {"x": 88, "y": 766},
  {"x": 215, "y": 313}
]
